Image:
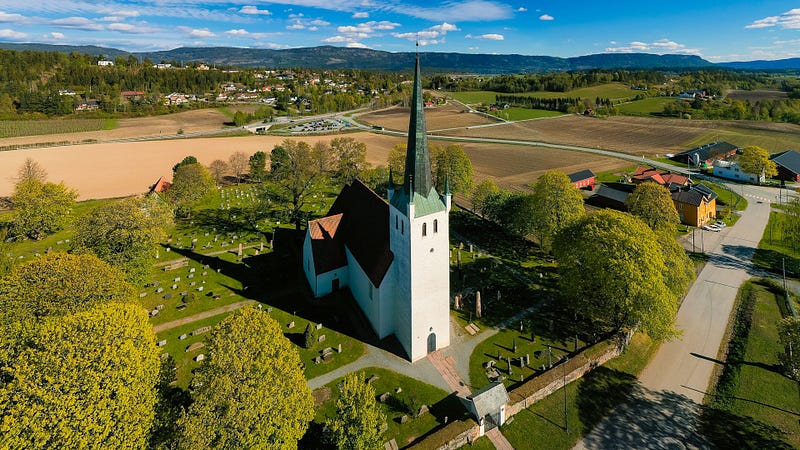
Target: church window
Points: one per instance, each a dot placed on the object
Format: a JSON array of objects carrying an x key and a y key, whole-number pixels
[
  {"x": 435, "y": 226},
  {"x": 424, "y": 229},
  {"x": 401, "y": 227}
]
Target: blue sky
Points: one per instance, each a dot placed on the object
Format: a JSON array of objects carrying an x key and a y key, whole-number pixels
[{"x": 718, "y": 31}]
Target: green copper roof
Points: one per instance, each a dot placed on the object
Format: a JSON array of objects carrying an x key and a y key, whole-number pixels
[
  {"x": 418, "y": 161},
  {"x": 423, "y": 204}
]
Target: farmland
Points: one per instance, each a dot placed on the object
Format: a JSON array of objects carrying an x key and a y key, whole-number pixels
[
  {"x": 515, "y": 114},
  {"x": 757, "y": 95},
  {"x": 17, "y": 128},
  {"x": 611, "y": 91},
  {"x": 446, "y": 116},
  {"x": 645, "y": 107}
]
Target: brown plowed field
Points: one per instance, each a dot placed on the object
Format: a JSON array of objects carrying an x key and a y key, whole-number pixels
[{"x": 436, "y": 118}]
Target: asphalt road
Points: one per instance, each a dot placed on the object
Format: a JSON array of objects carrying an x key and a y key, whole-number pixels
[{"x": 663, "y": 410}]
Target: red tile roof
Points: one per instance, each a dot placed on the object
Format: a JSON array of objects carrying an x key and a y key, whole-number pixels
[
  {"x": 326, "y": 243},
  {"x": 161, "y": 185}
]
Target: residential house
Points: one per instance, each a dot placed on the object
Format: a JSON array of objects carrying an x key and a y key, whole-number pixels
[
  {"x": 131, "y": 95},
  {"x": 697, "y": 205},
  {"x": 705, "y": 155},
  {"x": 584, "y": 179},
  {"x": 788, "y": 164},
  {"x": 664, "y": 178},
  {"x": 161, "y": 185},
  {"x": 88, "y": 105},
  {"x": 105, "y": 63},
  {"x": 732, "y": 171}
]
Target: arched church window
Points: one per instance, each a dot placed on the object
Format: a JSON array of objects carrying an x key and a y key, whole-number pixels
[
  {"x": 435, "y": 226},
  {"x": 424, "y": 229}
]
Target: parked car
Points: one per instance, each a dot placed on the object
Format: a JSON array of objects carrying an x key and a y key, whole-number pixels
[
  {"x": 711, "y": 228},
  {"x": 720, "y": 224}
]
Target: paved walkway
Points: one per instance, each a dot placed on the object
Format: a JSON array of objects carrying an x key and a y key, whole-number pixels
[
  {"x": 672, "y": 386},
  {"x": 498, "y": 440},
  {"x": 200, "y": 316},
  {"x": 445, "y": 365}
]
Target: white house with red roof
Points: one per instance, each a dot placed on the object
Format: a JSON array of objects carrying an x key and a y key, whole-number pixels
[{"x": 393, "y": 255}]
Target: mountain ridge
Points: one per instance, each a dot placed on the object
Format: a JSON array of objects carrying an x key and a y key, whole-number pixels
[{"x": 330, "y": 57}]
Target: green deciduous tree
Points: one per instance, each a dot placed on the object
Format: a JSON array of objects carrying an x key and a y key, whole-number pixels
[
  {"x": 6, "y": 261},
  {"x": 85, "y": 380},
  {"x": 258, "y": 166},
  {"x": 652, "y": 203},
  {"x": 357, "y": 422},
  {"x": 755, "y": 160},
  {"x": 309, "y": 336},
  {"x": 240, "y": 118},
  {"x": 453, "y": 161},
  {"x": 612, "y": 270},
  {"x": 482, "y": 194},
  {"x": 40, "y": 208},
  {"x": 190, "y": 186},
  {"x": 251, "y": 392},
  {"x": 60, "y": 283},
  {"x": 556, "y": 204},
  {"x": 350, "y": 158},
  {"x": 293, "y": 176},
  {"x": 185, "y": 161},
  {"x": 678, "y": 268},
  {"x": 791, "y": 232},
  {"x": 396, "y": 161},
  {"x": 124, "y": 233}
]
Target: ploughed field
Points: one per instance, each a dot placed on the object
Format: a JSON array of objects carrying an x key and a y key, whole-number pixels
[{"x": 445, "y": 116}]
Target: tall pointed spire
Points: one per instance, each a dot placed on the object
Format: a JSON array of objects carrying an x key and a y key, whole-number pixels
[{"x": 418, "y": 161}]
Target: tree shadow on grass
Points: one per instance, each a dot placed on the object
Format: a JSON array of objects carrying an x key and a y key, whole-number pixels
[
  {"x": 727, "y": 430},
  {"x": 772, "y": 261},
  {"x": 601, "y": 391}
]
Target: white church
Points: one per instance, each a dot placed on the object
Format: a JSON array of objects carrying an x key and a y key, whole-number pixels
[{"x": 393, "y": 255}]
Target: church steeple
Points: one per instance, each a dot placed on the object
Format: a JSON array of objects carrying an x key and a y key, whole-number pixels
[{"x": 418, "y": 161}]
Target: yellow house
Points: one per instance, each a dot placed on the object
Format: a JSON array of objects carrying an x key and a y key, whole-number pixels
[{"x": 697, "y": 206}]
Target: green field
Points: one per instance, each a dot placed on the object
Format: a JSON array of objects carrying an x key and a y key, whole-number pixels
[
  {"x": 742, "y": 136},
  {"x": 645, "y": 107},
  {"x": 612, "y": 91},
  {"x": 17, "y": 128},
  {"x": 515, "y": 113}
]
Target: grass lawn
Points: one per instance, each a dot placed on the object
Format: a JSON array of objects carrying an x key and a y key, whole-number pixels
[
  {"x": 413, "y": 394},
  {"x": 612, "y": 91},
  {"x": 755, "y": 405},
  {"x": 516, "y": 113},
  {"x": 775, "y": 249},
  {"x": 726, "y": 197},
  {"x": 589, "y": 400},
  {"x": 613, "y": 176},
  {"x": 644, "y": 107},
  {"x": 474, "y": 97},
  {"x": 773, "y": 141}
]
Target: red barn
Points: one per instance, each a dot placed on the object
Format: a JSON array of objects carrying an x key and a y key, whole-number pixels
[{"x": 583, "y": 179}]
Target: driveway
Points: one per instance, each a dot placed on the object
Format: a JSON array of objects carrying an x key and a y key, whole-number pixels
[{"x": 681, "y": 369}]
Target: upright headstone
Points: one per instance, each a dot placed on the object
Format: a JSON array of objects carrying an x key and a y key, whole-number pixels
[
  {"x": 478, "y": 309},
  {"x": 240, "y": 250}
]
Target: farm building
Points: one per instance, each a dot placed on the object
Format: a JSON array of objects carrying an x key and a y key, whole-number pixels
[
  {"x": 705, "y": 155},
  {"x": 161, "y": 185},
  {"x": 393, "y": 256},
  {"x": 611, "y": 195},
  {"x": 583, "y": 179},
  {"x": 732, "y": 171},
  {"x": 666, "y": 179},
  {"x": 788, "y": 164},
  {"x": 696, "y": 205}
]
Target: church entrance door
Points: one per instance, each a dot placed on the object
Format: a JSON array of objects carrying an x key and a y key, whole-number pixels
[{"x": 431, "y": 342}]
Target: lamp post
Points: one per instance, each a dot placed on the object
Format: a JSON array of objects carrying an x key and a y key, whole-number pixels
[{"x": 566, "y": 420}]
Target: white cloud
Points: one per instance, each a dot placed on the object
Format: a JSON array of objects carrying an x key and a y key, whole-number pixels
[
  {"x": 296, "y": 26},
  {"x": 6, "y": 17},
  {"x": 54, "y": 35},
  {"x": 546, "y": 17},
  {"x": 270, "y": 45},
  {"x": 458, "y": 11},
  {"x": 360, "y": 15},
  {"x": 11, "y": 34},
  {"x": 522, "y": 9},
  {"x": 356, "y": 45},
  {"x": 487, "y": 37},
  {"x": 662, "y": 46},
  {"x": 790, "y": 19},
  {"x": 444, "y": 27},
  {"x": 76, "y": 23},
  {"x": 319, "y": 23},
  {"x": 253, "y": 10},
  {"x": 197, "y": 32},
  {"x": 336, "y": 39},
  {"x": 239, "y": 32},
  {"x": 429, "y": 35}
]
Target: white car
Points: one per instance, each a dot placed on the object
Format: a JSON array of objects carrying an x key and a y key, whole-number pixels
[
  {"x": 712, "y": 228},
  {"x": 720, "y": 224}
]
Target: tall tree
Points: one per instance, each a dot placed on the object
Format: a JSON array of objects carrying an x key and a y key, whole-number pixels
[
  {"x": 652, "y": 203},
  {"x": 350, "y": 159},
  {"x": 238, "y": 163},
  {"x": 184, "y": 162},
  {"x": 357, "y": 422},
  {"x": 482, "y": 194},
  {"x": 40, "y": 208},
  {"x": 6, "y": 261},
  {"x": 61, "y": 283},
  {"x": 322, "y": 155},
  {"x": 84, "y": 380},
  {"x": 124, "y": 233},
  {"x": 218, "y": 169},
  {"x": 190, "y": 186},
  {"x": 755, "y": 160},
  {"x": 258, "y": 166},
  {"x": 556, "y": 204},
  {"x": 251, "y": 392},
  {"x": 612, "y": 270},
  {"x": 31, "y": 170},
  {"x": 397, "y": 162},
  {"x": 453, "y": 161},
  {"x": 791, "y": 232},
  {"x": 293, "y": 175},
  {"x": 678, "y": 268}
]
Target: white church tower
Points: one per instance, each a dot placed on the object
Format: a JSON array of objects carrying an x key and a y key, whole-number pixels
[{"x": 419, "y": 239}]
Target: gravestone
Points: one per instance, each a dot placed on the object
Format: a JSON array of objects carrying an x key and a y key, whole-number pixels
[
  {"x": 339, "y": 348},
  {"x": 404, "y": 419},
  {"x": 372, "y": 379},
  {"x": 321, "y": 338},
  {"x": 160, "y": 307},
  {"x": 195, "y": 346},
  {"x": 201, "y": 330},
  {"x": 423, "y": 410},
  {"x": 143, "y": 295},
  {"x": 154, "y": 313},
  {"x": 200, "y": 289},
  {"x": 181, "y": 307},
  {"x": 159, "y": 290},
  {"x": 167, "y": 296},
  {"x": 191, "y": 275},
  {"x": 385, "y": 396},
  {"x": 177, "y": 280},
  {"x": 192, "y": 284},
  {"x": 398, "y": 390},
  {"x": 291, "y": 324},
  {"x": 162, "y": 343},
  {"x": 174, "y": 286},
  {"x": 199, "y": 357},
  {"x": 319, "y": 326},
  {"x": 191, "y": 270},
  {"x": 327, "y": 357},
  {"x": 317, "y": 360},
  {"x": 182, "y": 337}
]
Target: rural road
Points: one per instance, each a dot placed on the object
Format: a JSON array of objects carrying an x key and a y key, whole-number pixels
[{"x": 663, "y": 410}]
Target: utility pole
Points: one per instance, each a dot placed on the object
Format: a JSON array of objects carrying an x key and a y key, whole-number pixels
[{"x": 566, "y": 420}]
